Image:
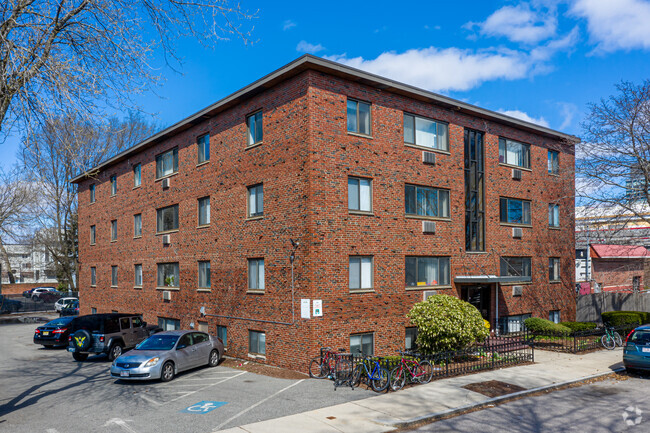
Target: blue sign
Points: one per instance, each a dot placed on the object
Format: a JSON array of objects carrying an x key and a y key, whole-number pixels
[{"x": 204, "y": 407}]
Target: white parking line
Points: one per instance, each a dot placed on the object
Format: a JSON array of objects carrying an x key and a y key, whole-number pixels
[
  {"x": 208, "y": 386},
  {"x": 185, "y": 393},
  {"x": 255, "y": 405}
]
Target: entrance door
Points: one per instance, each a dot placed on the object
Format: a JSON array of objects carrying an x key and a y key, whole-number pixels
[{"x": 479, "y": 296}]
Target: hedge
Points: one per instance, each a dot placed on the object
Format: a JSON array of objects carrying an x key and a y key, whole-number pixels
[
  {"x": 579, "y": 326},
  {"x": 618, "y": 318},
  {"x": 542, "y": 326}
]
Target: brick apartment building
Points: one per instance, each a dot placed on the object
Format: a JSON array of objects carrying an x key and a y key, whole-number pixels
[{"x": 392, "y": 192}]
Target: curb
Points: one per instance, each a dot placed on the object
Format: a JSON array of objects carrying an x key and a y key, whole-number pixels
[{"x": 492, "y": 401}]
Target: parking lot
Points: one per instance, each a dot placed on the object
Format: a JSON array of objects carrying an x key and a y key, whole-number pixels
[{"x": 44, "y": 390}]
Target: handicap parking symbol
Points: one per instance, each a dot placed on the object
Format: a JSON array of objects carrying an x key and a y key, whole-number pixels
[{"x": 203, "y": 407}]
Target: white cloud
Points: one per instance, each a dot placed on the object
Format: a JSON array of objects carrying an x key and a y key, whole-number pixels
[
  {"x": 615, "y": 24},
  {"x": 517, "y": 114},
  {"x": 288, "y": 25},
  {"x": 568, "y": 112},
  {"x": 519, "y": 24},
  {"x": 306, "y": 47}
]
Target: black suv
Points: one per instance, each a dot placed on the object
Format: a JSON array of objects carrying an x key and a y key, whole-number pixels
[{"x": 110, "y": 333}]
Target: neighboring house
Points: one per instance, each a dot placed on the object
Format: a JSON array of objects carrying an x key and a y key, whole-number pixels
[
  {"x": 620, "y": 268},
  {"x": 29, "y": 263},
  {"x": 394, "y": 194}
]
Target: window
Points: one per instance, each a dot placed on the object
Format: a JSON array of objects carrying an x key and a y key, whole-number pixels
[
  {"x": 169, "y": 324},
  {"x": 515, "y": 211},
  {"x": 222, "y": 332},
  {"x": 424, "y": 201},
  {"x": 554, "y": 269},
  {"x": 511, "y": 324},
  {"x": 516, "y": 267},
  {"x": 93, "y": 276},
  {"x": 359, "y": 194},
  {"x": 167, "y": 163},
  {"x": 554, "y": 215},
  {"x": 255, "y": 132},
  {"x": 93, "y": 310},
  {"x": 203, "y": 143},
  {"x": 125, "y": 323},
  {"x": 256, "y": 200},
  {"x": 427, "y": 271},
  {"x": 204, "y": 211},
  {"x": 168, "y": 275},
  {"x": 113, "y": 276},
  {"x": 257, "y": 342},
  {"x": 553, "y": 162},
  {"x": 636, "y": 283},
  {"x": 411, "y": 336},
  {"x": 358, "y": 117},
  {"x": 167, "y": 219},
  {"x": 92, "y": 193},
  {"x": 113, "y": 185},
  {"x": 554, "y": 316},
  {"x": 137, "y": 175},
  {"x": 137, "y": 271},
  {"x": 92, "y": 235},
  {"x": 256, "y": 274},
  {"x": 360, "y": 272},
  {"x": 204, "y": 275},
  {"x": 114, "y": 230},
  {"x": 514, "y": 153},
  {"x": 137, "y": 225},
  {"x": 474, "y": 191},
  {"x": 362, "y": 343},
  {"x": 425, "y": 132}
]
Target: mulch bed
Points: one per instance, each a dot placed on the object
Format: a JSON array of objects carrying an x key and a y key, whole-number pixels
[
  {"x": 494, "y": 388},
  {"x": 264, "y": 370}
]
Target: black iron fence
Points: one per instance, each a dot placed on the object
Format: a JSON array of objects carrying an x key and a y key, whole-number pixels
[
  {"x": 577, "y": 341},
  {"x": 21, "y": 304}
]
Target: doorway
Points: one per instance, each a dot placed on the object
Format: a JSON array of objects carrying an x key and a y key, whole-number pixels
[{"x": 479, "y": 296}]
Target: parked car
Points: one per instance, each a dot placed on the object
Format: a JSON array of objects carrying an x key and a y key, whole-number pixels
[
  {"x": 28, "y": 293},
  {"x": 9, "y": 305},
  {"x": 36, "y": 293},
  {"x": 636, "y": 350},
  {"x": 54, "y": 333},
  {"x": 58, "y": 305},
  {"x": 109, "y": 333},
  {"x": 165, "y": 354},
  {"x": 70, "y": 309},
  {"x": 50, "y": 297}
]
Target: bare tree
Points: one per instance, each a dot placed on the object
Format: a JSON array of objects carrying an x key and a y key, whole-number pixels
[
  {"x": 51, "y": 160},
  {"x": 16, "y": 198},
  {"x": 85, "y": 56}
]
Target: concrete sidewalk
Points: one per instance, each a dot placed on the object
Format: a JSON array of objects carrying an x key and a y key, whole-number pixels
[{"x": 389, "y": 411}]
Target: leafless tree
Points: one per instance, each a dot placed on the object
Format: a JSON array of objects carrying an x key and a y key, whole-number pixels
[
  {"x": 52, "y": 159},
  {"x": 89, "y": 56}
]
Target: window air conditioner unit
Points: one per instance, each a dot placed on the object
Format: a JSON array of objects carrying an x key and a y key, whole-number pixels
[
  {"x": 517, "y": 290},
  {"x": 166, "y": 240},
  {"x": 517, "y": 232},
  {"x": 165, "y": 183},
  {"x": 516, "y": 174},
  {"x": 427, "y": 293},
  {"x": 428, "y": 157},
  {"x": 167, "y": 295},
  {"x": 429, "y": 227}
]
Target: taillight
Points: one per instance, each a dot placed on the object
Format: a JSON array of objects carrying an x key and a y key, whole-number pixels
[
  {"x": 69, "y": 337},
  {"x": 628, "y": 335},
  {"x": 38, "y": 331},
  {"x": 101, "y": 338},
  {"x": 59, "y": 331}
]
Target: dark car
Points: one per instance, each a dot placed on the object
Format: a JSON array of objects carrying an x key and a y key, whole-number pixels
[
  {"x": 70, "y": 309},
  {"x": 636, "y": 351},
  {"x": 109, "y": 333},
  {"x": 54, "y": 333},
  {"x": 50, "y": 297},
  {"x": 28, "y": 293},
  {"x": 9, "y": 305}
]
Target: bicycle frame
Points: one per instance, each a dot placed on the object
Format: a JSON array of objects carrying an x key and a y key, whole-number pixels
[
  {"x": 404, "y": 364},
  {"x": 375, "y": 370}
]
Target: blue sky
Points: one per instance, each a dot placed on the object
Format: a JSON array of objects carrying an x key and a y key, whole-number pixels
[{"x": 542, "y": 60}]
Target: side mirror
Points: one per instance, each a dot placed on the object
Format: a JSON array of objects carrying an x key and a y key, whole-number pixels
[
  {"x": 180, "y": 346},
  {"x": 144, "y": 324}
]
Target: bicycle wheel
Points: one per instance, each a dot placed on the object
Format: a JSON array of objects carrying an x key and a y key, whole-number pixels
[
  {"x": 425, "y": 370},
  {"x": 617, "y": 339},
  {"x": 379, "y": 380},
  {"x": 356, "y": 375},
  {"x": 316, "y": 369},
  {"x": 397, "y": 378},
  {"x": 608, "y": 342}
]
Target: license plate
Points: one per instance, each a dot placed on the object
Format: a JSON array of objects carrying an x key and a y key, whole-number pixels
[
  {"x": 124, "y": 373},
  {"x": 46, "y": 333},
  {"x": 645, "y": 349},
  {"x": 70, "y": 349}
]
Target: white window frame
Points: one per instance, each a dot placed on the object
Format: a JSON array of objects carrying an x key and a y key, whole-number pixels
[
  {"x": 161, "y": 170},
  {"x": 361, "y": 189},
  {"x": 255, "y": 200},
  {"x": 553, "y": 162},
  {"x": 413, "y": 124},
  {"x": 554, "y": 269},
  {"x": 160, "y": 219},
  {"x": 93, "y": 234},
  {"x": 438, "y": 260},
  {"x": 137, "y": 175},
  {"x": 410, "y": 336},
  {"x": 554, "y": 316},
  {"x": 443, "y": 206},
  {"x": 137, "y": 225},
  {"x": 505, "y": 144},
  {"x": 93, "y": 276},
  {"x": 168, "y": 324},
  {"x": 255, "y": 128},
  {"x": 113, "y": 230},
  {"x": 205, "y": 201},
  {"x": 162, "y": 275},
  {"x": 203, "y": 148},
  {"x": 261, "y": 342},
  {"x": 113, "y": 185},
  {"x": 364, "y": 265},
  {"x": 505, "y": 260},
  {"x": 114, "y": 276},
  {"x": 256, "y": 277},
  {"x": 354, "y": 347},
  {"x": 204, "y": 277},
  {"x": 137, "y": 275},
  {"x": 554, "y": 215},
  {"x": 354, "y": 126}
]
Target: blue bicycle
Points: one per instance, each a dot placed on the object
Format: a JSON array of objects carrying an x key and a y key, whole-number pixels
[{"x": 371, "y": 373}]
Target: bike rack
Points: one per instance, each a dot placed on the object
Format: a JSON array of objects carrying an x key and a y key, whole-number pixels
[{"x": 343, "y": 370}]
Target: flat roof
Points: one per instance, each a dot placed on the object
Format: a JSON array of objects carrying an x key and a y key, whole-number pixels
[{"x": 310, "y": 62}]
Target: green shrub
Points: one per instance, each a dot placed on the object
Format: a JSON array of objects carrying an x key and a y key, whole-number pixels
[
  {"x": 446, "y": 323},
  {"x": 542, "y": 326},
  {"x": 579, "y": 326},
  {"x": 618, "y": 318}
]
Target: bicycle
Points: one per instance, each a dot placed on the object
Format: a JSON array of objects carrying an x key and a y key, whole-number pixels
[
  {"x": 418, "y": 371},
  {"x": 611, "y": 338},
  {"x": 378, "y": 378},
  {"x": 324, "y": 365}
]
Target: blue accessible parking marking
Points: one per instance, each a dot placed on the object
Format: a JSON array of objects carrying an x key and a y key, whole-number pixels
[{"x": 204, "y": 406}]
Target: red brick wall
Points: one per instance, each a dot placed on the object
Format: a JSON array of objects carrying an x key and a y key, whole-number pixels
[
  {"x": 304, "y": 163},
  {"x": 617, "y": 274},
  {"x": 19, "y": 288}
]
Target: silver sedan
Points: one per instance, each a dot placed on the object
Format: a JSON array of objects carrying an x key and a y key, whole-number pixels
[{"x": 165, "y": 354}]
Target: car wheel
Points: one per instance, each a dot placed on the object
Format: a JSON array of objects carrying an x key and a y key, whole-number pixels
[
  {"x": 80, "y": 356},
  {"x": 167, "y": 373},
  {"x": 114, "y": 352},
  {"x": 214, "y": 358}
]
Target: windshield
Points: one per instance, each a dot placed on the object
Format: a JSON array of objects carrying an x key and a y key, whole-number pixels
[
  {"x": 158, "y": 342},
  {"x": 641, "y": 337},
  {"x": 59, "y": 322}
]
